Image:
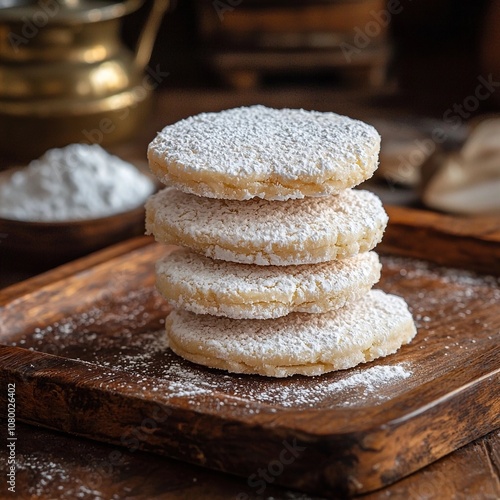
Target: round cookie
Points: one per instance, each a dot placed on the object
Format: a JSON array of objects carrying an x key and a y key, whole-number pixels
[
  {"x": 265, "y": 233},
  {"x": 206, "y": 286},
  {"x": 274, "y": 154},
  {"x": 307, "y": 344}
]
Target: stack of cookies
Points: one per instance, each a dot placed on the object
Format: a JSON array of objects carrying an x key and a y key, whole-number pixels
[{"x": 275, "y": 272}]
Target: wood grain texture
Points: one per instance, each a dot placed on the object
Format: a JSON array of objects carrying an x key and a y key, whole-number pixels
[
  {"x": 53, "y": 465},
  {"x": 471, "y": 243},
  {"x": 39, "y": 281},
  {"x": 465, "y": 474},
  {"x": 109, "y": 376}
]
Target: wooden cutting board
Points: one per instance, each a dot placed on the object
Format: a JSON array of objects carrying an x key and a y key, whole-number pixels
[{"x": 84, "y": 345}]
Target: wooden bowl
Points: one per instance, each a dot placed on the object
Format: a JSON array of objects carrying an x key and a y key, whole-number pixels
[{"x": 52, "y": 243}]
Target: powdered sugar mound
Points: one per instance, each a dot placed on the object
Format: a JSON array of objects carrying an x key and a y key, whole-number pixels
[
  {"x": 371, "y": 378},
  {"x": 77, "y": 182}
]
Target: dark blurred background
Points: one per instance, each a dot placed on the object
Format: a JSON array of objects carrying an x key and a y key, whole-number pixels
[
  {"x": 414, "y": 69},
  {"x": 430, "y": 52}
]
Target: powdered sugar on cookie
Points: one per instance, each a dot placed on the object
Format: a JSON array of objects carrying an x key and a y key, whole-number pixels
[
  {"x": 276, "y": 271},
  {"x": 260, "y": 232},
  {"x": 274, "y": 154},
  {"x": 206, "y": 286},
  {"x": 308, "y": 344}
]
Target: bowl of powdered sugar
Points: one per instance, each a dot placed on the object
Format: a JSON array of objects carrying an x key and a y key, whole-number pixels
[{"x": 70, "y": 202}]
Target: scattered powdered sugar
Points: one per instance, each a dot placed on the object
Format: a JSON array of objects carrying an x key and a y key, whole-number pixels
[
  {"x": 177, "y": 378},
  {"x": 140, "y": 361},
  {"x": 77, "y": 182},
  {"x": 41, "y": 477},
  {"x": 410, "y": 268},
  {"x": 368, "y": 385},
  {"x": 360, "y": 387},
  {"x": 466, "y": 291},
  {"x": 369, "y": 382}
]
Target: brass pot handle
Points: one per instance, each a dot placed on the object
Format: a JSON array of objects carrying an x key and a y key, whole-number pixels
[{"x": 148, "y": 34}]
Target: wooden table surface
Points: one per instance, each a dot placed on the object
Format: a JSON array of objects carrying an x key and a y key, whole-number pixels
[{"x": 52, "y": 465}]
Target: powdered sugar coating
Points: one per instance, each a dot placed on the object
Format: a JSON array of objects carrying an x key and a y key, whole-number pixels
[
  {"x": 206, "y": 286},
  {"x": 300, "y": 343},
  {"x": 274, "y": 154},
  {"x": 261, "y": 232}
]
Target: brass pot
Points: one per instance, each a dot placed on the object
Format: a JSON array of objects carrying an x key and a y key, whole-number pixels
[{"x": 65, "y": 75}]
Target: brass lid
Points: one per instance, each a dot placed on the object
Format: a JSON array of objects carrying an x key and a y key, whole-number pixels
[{"x": 66, "y": 11}]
